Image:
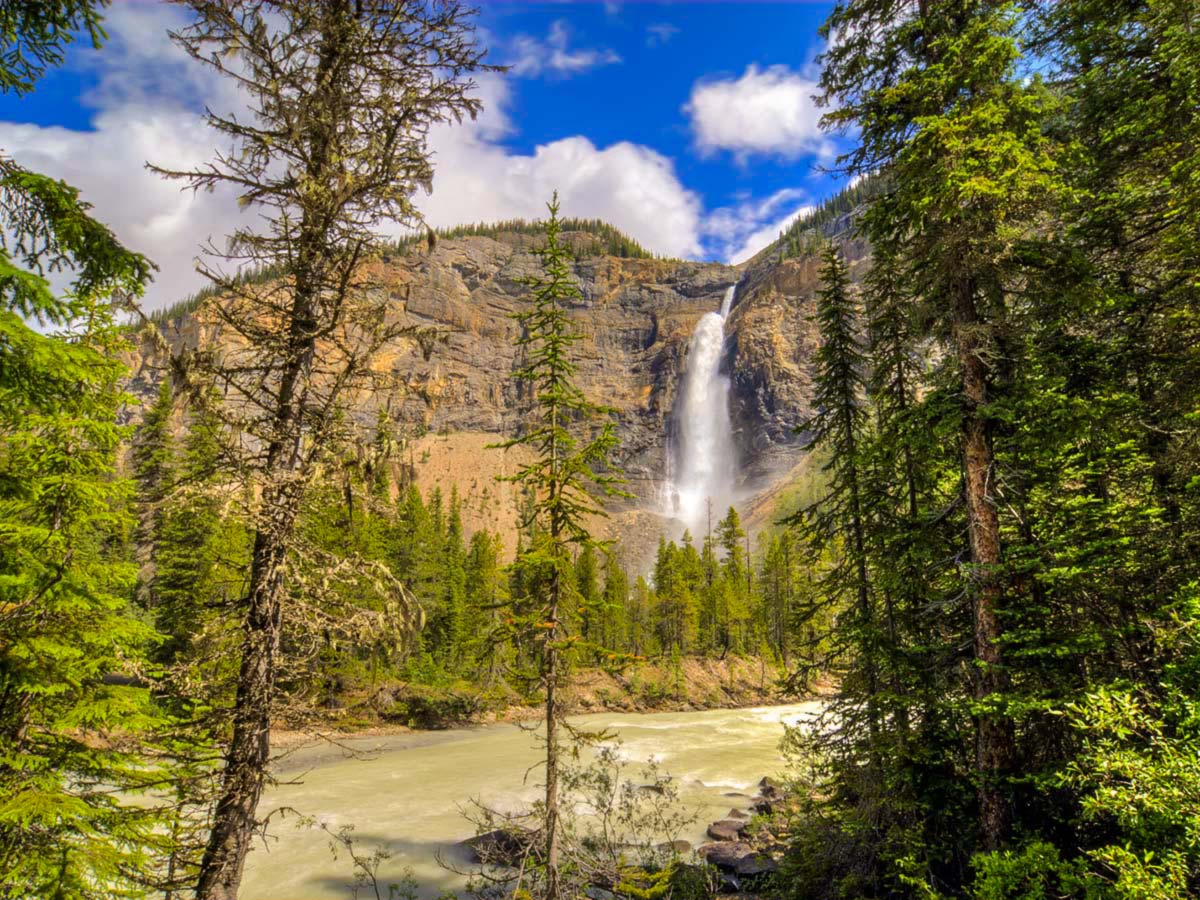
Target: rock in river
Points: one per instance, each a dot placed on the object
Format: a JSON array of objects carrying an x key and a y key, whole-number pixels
[{"x": 727, "y": 829}]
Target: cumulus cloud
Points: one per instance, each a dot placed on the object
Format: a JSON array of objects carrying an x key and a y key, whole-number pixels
[
  {"x": 766, "y": 111},
  {"x": 629, "y": 185},
  {"x": 740, "y": 231},
  {"x": 146, "y": 108},
  {"x": 145, "y": 86},
  {"x": 554, "y": 55}
]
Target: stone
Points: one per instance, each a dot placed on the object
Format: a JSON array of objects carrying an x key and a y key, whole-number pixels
[
  {"x": 738, "y": 858},
  {"x": 660, "y": 789},
  {"x": 769, "y": 787},
  {"x": 727, "y": 829}
]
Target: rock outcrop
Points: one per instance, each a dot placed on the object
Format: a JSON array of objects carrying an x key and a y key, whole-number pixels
[{"x": 636, "y": 315}]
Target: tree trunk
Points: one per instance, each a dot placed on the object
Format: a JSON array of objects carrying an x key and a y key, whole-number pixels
[
  {"x": 246, "y": 762},
  {"x": 553, "y": 889},
  {"x": 994, "y": 741}
]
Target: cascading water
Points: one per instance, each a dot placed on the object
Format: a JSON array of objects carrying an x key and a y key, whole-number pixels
[{"x": 704, "y": 466}]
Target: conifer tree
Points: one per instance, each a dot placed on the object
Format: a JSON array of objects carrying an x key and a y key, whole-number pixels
[
  {"x": 153, "y": 470},
  {"x": 342, "y": 96},
  {"x": 734, "y": 597},
  {"x": 70, "y": 826},
  {"x": 944, "y": 115},
  {"x": 838, "y": 430},
  {"x": 614, "y": 604},
  {"x": 484, "y": 586},
  {"x": 587, "y": 593},
  {"x": 64, "y": 626},
  {"x": 573, "y": 441}
]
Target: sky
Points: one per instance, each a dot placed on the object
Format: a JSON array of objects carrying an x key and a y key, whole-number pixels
[{"x": 689, "y": 125}]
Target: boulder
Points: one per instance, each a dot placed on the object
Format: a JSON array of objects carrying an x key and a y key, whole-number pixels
[
  {"x": 727, "y": 829},
  {"x": 737, "y": 814},
  {"x": 766, "y": 806},
  {"x": 659, "y": 789},
  {"x": 738, "y": 858},
  {"x": 769, "y": 787},
  {"x": 675, "y": 848}
]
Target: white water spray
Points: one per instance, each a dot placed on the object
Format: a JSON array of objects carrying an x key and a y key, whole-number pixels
[{"x": 705, "y": 466}]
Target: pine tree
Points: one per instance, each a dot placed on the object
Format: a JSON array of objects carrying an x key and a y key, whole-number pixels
[
  {"x": 943, "y": 112},
  {"x": 734, "y": 599},
  {"x": 564, "y": 482},
  {"x": 197, "y": 549},
  {"x": 454, "y": 586},
  {"x": 343, "y": 95},
  {"x": 614, "y": 607},
  {"x": 588, "y": 602},
  {"x": 70, "y": 823},
  {"x": 484, "y": 586},
  {"x": 153, "y": 465}
]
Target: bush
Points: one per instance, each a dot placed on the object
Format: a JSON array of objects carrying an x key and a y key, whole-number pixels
[{"x": 420, "y": 706}]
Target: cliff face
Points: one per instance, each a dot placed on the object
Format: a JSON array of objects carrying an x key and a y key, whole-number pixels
[
  {"x": 772, "y": 341},
  {"x": 637, "y": 316}
]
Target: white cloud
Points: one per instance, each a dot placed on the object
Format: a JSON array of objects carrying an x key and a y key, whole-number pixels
[
  {"x": 554, "y": 55},
  {"x": 659, "y": 33},
  {"x": 146, "y": 105},
  {"x": 740, "y": 231},
  {"x": 766, "y": 111},
  {"x": 629, "y": 185}
]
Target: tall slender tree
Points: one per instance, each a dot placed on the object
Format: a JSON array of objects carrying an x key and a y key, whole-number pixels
[
  {"x": 957, "y": 131},
  {"x": 837, "y": 428},
  {"x": 342, "y": 95},
  {"x": 573, "y": 440}
]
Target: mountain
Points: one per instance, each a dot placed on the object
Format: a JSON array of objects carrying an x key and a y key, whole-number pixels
[{"x": 637, "y": 317}]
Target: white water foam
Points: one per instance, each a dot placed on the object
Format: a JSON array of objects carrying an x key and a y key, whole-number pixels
[{"x": 704, "y": 470}]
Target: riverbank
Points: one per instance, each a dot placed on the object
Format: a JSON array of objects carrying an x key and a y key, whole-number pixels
[{"x": 689, "y": 684}]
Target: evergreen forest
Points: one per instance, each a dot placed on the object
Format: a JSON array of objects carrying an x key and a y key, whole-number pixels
[{"x": 985, "y": 576}]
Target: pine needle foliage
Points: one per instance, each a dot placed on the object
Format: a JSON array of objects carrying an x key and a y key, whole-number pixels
[
  {"x": 572, "y": 440},
  {"x": 75, "y": 743}
]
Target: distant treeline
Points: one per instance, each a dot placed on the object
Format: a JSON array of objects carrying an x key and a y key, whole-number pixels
[{"x": 607, "y": 241}]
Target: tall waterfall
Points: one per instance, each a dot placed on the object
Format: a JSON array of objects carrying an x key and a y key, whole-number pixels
[{"x": 704, "y": 464}]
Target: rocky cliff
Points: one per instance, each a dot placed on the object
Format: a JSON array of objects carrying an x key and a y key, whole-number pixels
[{"x": 636, "y": 315}]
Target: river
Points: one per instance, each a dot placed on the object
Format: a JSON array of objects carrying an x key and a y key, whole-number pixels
[{"x": 408, "y": 796}]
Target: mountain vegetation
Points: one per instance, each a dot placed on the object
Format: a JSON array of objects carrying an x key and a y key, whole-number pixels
[{"x": 992, "y": 554}]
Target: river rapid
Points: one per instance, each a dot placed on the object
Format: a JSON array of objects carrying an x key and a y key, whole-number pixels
[{"x": 409, "y": 795}]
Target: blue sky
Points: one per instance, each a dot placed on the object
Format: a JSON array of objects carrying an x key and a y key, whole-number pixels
[{"x": 690, "y": 125}]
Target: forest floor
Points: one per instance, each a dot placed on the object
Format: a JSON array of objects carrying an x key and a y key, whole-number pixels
[{"x": 692, "y": 683}]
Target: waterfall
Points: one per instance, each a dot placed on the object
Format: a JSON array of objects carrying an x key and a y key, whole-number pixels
[{"x": 704, "y": 467}]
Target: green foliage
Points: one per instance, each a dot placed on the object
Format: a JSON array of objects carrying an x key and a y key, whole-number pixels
[
  {"x": 1014, "y": 349},
  {"x": 606, "y": 240},
  {"x": 75, "y": 742},
  {"x": 35, "y": 34}
]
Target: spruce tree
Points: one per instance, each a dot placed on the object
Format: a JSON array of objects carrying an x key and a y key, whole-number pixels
[
  {"x": 734, "y": 586},
  {"x": 573, "y": 440},
  {"x": 342, "y": 97},
  {"x": 70, "y": 821},
  {"x": 943, "y": 112}
]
